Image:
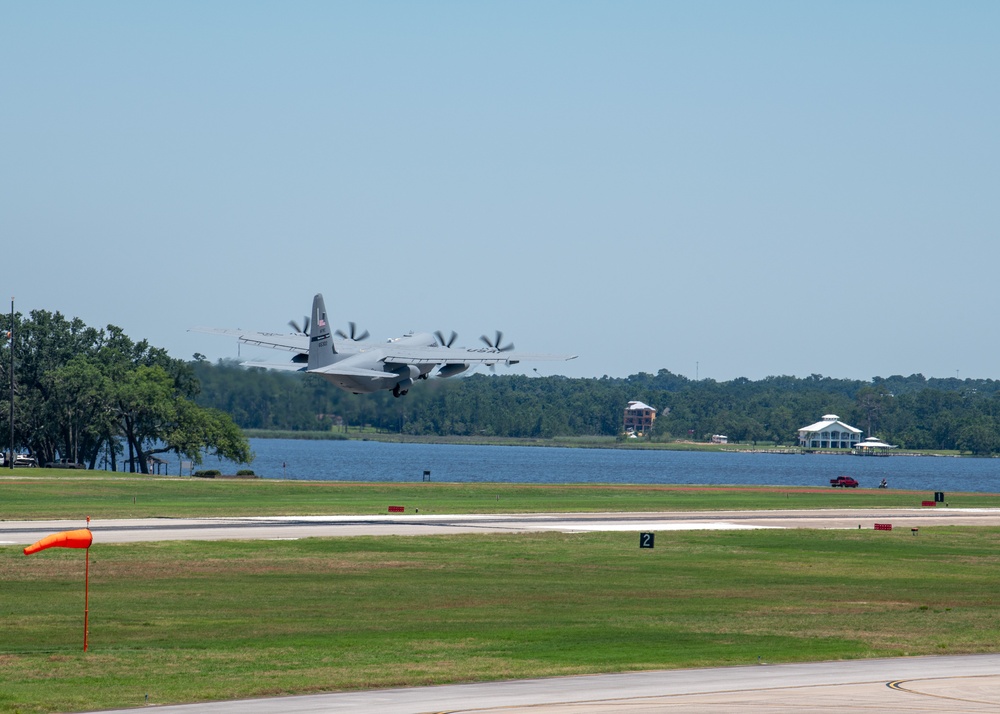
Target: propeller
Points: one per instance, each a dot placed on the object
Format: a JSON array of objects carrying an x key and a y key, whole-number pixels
[
  {"x": 442, "y": 341},
  {"x": 304, "y": 330},
  {"x": 353, "y": 334},
  {"x": 495, "y": 343}
]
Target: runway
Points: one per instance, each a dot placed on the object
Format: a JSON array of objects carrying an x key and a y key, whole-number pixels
[
  {"x": 283, "y": 527},
  {"x": 965, "y": 683}
]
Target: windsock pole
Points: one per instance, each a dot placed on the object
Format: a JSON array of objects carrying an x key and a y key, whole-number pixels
[
  {"x": 72, "y": 539},
  {"x": 86, "y": 594}
]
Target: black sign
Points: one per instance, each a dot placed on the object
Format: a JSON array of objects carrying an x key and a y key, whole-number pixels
[
  {"x": 646, "y": 540},
  {"x": 939, "y": 497}
]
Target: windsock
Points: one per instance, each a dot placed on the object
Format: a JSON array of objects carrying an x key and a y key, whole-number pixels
[{"x": 67, "y": 539}]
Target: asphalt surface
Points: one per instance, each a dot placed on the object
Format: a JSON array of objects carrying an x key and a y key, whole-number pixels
[
  {"x": 280, "y": 527},
  {"x": 965, "y": 683}
]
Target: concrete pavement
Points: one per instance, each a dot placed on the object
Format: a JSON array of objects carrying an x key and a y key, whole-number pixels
[
  {"x": 280, "y": 527},
  {"x": 963, "y": 683}
]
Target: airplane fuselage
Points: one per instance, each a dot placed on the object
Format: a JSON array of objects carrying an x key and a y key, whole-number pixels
[
  {"x": 394, "y": 365},
  {"x": 377, "y": 358}
]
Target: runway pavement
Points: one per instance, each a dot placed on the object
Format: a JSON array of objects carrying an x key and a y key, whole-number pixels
[
  {"x": 278, "y": 527},
  {"x": 965, "y": 683}
]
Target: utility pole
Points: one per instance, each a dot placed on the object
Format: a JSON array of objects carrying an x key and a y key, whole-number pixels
[{"x": 11, "y": 384}]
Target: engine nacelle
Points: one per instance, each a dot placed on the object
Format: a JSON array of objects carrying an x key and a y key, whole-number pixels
[
  {"x": 450, "y": 370},
  {"x": 402, "y": 388},
  {"x": 407, "y": 372}
]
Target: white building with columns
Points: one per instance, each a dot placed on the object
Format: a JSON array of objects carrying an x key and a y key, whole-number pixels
[{"x": 829, "y": 433}]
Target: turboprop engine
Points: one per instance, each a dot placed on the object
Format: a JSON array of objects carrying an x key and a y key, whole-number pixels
[
  {"x": 408, "y": 373},
  {"x": 450, "y": 370}
]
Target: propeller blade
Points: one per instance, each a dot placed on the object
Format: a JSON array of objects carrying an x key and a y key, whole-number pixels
[
  {"x": 495, "y": 343},
  {"x": 305, "y": 326},
  {"x": 353, "y": 336},
  {"x": 442, "y": 341}
]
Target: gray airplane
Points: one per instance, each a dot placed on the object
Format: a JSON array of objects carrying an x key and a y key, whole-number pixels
[{"x": 395, "y": 364}]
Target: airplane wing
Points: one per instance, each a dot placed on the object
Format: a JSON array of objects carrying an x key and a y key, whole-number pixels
[
  {"x": 471, "y": 355},
  {"x": 292, "y": 342}
]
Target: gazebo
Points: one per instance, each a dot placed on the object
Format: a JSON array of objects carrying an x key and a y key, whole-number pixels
[{"x": 873, "y": 447}]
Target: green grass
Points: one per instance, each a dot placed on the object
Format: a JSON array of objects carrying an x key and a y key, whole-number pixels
[
  {"x": 327, "y": 435},
  {"x": 45, "y": 494},
  {"x": 194, "y": 621}
]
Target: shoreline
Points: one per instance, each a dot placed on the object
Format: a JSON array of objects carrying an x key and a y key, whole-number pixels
[{"x": 575, "y": 442}]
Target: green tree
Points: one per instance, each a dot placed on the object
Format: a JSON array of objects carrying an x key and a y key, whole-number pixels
[
  {"x": 978, "y": 435},
  {"x": 81, "y": 391}
]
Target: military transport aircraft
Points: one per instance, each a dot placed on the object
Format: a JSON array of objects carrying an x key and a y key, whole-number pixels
[{"x": 395, "y": 364}]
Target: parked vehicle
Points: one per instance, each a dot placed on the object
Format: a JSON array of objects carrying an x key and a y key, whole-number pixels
[
  {"x": 25, "y": 460},
  {"x": 843, "y": 482},
  {"x": 64, "y": 464}
]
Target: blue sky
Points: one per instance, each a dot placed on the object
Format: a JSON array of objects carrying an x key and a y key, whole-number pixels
[{"x": 733, "y": 188}]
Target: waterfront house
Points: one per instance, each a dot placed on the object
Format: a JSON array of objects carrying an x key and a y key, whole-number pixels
[
  {"x": 829, "y": 433},
  {"x": 639, "y": 418}
]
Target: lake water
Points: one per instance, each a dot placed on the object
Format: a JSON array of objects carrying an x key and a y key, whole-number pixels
[{"x": 375, "y": 461}]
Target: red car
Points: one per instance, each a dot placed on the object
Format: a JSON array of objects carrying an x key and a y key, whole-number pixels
[{"x": 843, "y": 482}]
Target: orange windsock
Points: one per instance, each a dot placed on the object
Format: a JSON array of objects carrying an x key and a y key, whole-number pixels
[{"x": 67, "y": 539}]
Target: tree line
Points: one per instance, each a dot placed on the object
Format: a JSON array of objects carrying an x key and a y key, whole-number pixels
[
  {"x": 914, "y": 412},
  {"x": 82, "y": 394}
]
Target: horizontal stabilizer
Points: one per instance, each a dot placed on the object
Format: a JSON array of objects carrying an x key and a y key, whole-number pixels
[
  {"x": 288, "y": 366},
  {"x": 354, "y": 372},
  {"x": 271, "y": 340}
]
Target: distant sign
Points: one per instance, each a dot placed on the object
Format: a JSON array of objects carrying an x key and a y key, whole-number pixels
[
  {"x": 646, "y": 540},
  {"x": 939, "y": 496}
]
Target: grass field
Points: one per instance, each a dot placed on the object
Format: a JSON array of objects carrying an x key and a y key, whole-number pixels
[
  {"x": 195, "y": 621},
  {"x": 210, "y": 620},
  {"x": 45, "y": 494}
]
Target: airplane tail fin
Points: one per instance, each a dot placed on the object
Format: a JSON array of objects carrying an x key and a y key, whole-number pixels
[{"x": 321, "y": 349}]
